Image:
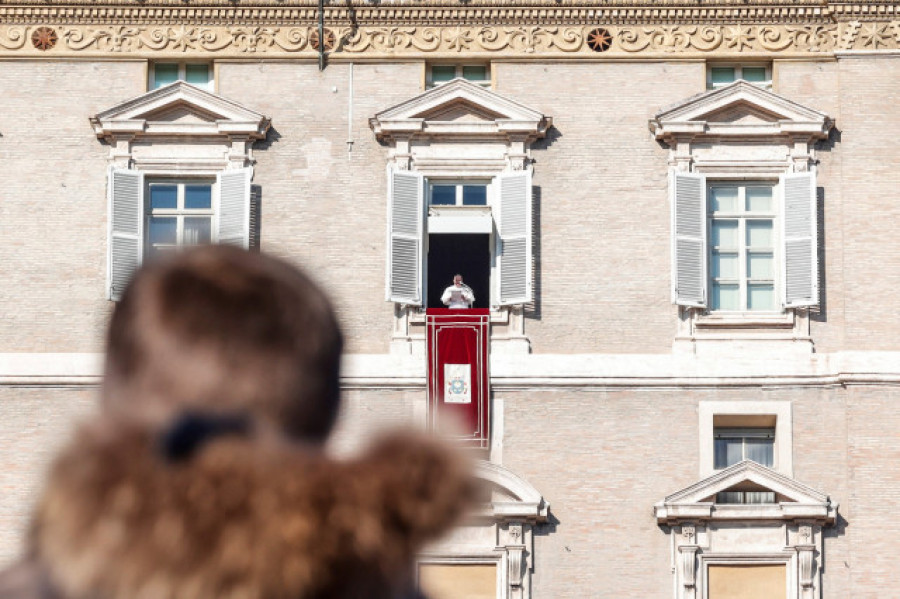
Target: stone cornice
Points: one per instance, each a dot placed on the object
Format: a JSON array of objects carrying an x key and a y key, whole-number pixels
[{"x": 189, "y": 40}]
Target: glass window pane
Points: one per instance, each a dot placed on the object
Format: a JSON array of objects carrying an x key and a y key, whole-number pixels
[
  {"x": 442, "y": 72},
  {"x": 725, "y": 297},
  {"x": 197, "y": 74},
  {"x": 720, "y": 454},
  {"x": 724, "y": 199},
  {"x": 163, "y": 197},
  {"x": 759, "y": 199},
  {"x": 724, "y": 266},
  {"x": 760, "y": 297},
  {"x": 721, "y": 75},
  {"x": 760, "y": 451},
  {"x": 759, "y": 233},
  {"x": 756, "y": 497},
  {"x": 196, "y": 230},
  {"x": 732, "y": 497},
  {"x": 760, "y": 266},
  {"x": 163, "y": 230},
  {"x": 443, "y": 195},
  {"x": 728, "y": 451},
  {"x": 474, "y": 73},
  {"x": 474, "y": 195},
  {"x": 197, "y": 197},
  {"x": 754, "y": 74},
  {"x": 725, "y": 234},
  {"x": 164, "y": 74}
]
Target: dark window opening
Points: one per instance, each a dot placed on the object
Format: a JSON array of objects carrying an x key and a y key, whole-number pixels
[{"x": 468, "y": 254}]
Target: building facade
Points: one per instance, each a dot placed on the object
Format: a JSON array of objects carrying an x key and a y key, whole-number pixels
[{"x": 677, "y": 214}]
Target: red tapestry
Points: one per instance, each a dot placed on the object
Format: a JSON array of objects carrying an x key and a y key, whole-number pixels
[{"x": 458, "y": 391}]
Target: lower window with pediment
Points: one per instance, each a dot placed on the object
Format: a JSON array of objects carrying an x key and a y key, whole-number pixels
[{"x": 726, "y": 549}]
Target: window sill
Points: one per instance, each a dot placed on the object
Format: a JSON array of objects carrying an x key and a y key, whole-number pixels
[
  {"x": 498, "y": 315},
  {"x": 745, "y": 320}
]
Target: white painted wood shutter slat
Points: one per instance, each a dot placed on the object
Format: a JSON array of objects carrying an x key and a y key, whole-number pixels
[
  {"x": 233, "y": 210},
  {"x": 801, "y": 285},
  {"x": 514, "y": 227},
  {"x": 126, "y": 228},
  {"x": 688, "y": 192},
  {"x": 406, "y": 215}
]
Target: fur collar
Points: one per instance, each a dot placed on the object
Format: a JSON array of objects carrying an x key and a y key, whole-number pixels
[{"x": 241, "y": 518}]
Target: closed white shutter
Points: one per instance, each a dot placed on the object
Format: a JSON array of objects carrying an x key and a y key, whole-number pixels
[
  {"x": 514, "y": 226},
  {"x": 406, "y": 214},
  {"x": 126, "y": 228},
  {"x": 801, "y": 285},
  {"x": 233, "y": 210},
  {"x": 688, "y": 192}
]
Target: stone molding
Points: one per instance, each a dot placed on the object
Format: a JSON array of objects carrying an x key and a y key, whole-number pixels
[
  {"x": 203, "y": 32},
  {"x": 541, "y": 371},
  {"x": 788, "y": 532}
]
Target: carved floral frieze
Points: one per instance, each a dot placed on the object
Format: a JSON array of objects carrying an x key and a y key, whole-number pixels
[{"x": 531, "y": 40}]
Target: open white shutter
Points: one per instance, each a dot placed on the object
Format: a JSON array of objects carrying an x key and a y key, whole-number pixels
[
  {"x": 688, "y": 192},
  {"x": 126, "y": 228},
  {"x": 801, "y": 285},
  {"x": 514, "y": 226},
  {"x": 406, "y": 215},
  {"x": 233, "y": 210}
]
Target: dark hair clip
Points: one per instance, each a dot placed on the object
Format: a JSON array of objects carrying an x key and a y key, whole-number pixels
[{"x": 192, "y": 430}]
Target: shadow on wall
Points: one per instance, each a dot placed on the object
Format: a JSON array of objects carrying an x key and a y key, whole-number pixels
[
  {"x": 533, "y": 308},
  {"x": 820, "y": 313},
  {"x": 272, "y": 136}
]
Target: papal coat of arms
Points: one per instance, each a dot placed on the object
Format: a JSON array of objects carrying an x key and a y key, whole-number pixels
[{"x": 457, "y": 383}]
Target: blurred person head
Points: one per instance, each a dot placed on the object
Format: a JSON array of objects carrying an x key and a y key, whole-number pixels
[
  {"x": 220, "y": 330},
  {"x": 178, "y": 488}
]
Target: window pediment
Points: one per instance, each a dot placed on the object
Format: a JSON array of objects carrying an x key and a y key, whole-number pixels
[
  {"x": 179, "y": 109},
  {"x": 514, "y": 498},
  {"x": 739, "y": 110},
  {"x": 794, "y": 500},
  {"x": 459, "y": 108}
]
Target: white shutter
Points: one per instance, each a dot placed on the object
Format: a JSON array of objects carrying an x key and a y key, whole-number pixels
[
  {"x": 126, "y": 228},
  {"x": 514, "y": 226},
  {"x": 233, "y": 210},
  {"x": 688, "y": 192},
  {"x": 406, "y": 215},
  {"x": 801, "y": 286}
]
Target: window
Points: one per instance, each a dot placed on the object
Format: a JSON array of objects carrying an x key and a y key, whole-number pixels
[
  {"x": 750, "y": 248},
  {"x": 195, "y": 73},
  {"x": 149, "y": 216},
  {"x": 458, "y": 194},
  {"x": 742, "y": 254},
  {"x": 179, "y": 213},
  {"x": 720, "y": 75},
  {"x": 734, "y": 431},
  {"x": 442, "y": 73},
  {"x": 477, "y": 228},
  {"x": 733, "y": 445},
  {"x": 453, "y": 581}
]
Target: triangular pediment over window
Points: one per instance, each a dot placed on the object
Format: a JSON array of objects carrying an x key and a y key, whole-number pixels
[
  {"x": 793, "y": 500},
  {"x": 180, "y": 109},
  {"x": 459, "y": 108},
  {"x": 738, "y": 110}
]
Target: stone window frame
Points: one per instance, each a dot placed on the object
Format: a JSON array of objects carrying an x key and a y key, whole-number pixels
[
  {"x": 428, "y": 136},
  {"x": 740, "y": 132},
  {"x": 746, "y": 414}
]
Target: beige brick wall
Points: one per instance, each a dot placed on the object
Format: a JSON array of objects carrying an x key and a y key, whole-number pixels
[
  {"x": 603, "y": 237},
  {"x": 603, "y": 278},
  {"x": 53, "y": 201},
  {"x": 34, "y": 424},
  {"x": 323, "y": 206}
]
